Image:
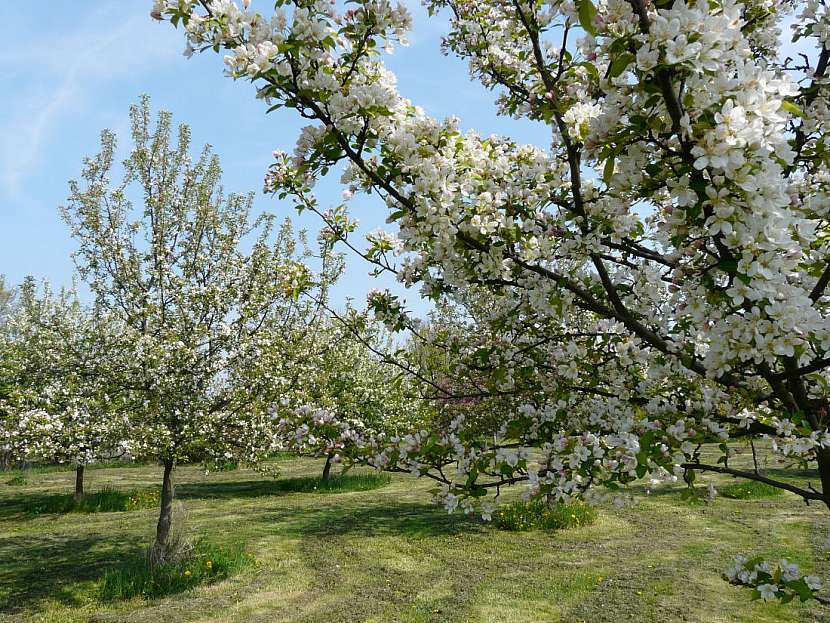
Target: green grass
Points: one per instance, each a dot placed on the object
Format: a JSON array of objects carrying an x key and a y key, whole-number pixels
[
  {"x": 105, "y": 500},
  {"x": 16, "y": 481},
  {"x": 36, "y": 468},
  {"x": 245, "y": 488},
  {"x": 387, "y": 554},
  {"x": 749, "y": 490},
  {"x": 208, "y": 563},
  {"x": 538, "y": 515},
  {"x": 335, "y": 484}
]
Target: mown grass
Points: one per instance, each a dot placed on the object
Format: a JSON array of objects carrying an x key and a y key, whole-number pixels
[
  {"x": 387, "y": 554},
  {"x": 206, "y": 564}
]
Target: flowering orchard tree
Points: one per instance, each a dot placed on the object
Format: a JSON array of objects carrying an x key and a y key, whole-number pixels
[
  {"x": 661, "y": 268},
  {"x": 8, "y": 372},
  {"x": 349, "y": 394},
  {"x": 313, "y": 430},
  {"x": 203, "y": 321},
  {"x": 7, "y": 300},
  {"x": 61, "y": 406}
]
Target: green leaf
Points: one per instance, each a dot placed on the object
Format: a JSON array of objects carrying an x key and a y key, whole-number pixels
[
  {"x": 619, "y": 64},
  {"x": 730, "y": 267},
  {"x": 800, "y": 588},
  {"x": 608, "y": 170},
  {"x": 791, "y": 108},
  {"x": 590, "y": 68},
  {"x": 587, "y": 13}
]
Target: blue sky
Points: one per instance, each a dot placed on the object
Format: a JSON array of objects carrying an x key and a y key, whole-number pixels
[{"x": 69, "y": 69}]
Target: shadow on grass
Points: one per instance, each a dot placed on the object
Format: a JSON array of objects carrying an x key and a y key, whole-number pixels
[
  {"x": 418, "y": 520},
  {"x": 29, "y": 505},
  {"x": 36, "y": 567},
  {"x": 105, "y": 500},
  {"x": 782, "y": 473},
  {"x": 283, "y": 486}
]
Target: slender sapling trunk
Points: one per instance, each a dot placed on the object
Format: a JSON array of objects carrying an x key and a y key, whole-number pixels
[
  {"x": 79, "y": 482},
  {"x": 165, "y": 513},
  {"x": 327, "y": 468}
]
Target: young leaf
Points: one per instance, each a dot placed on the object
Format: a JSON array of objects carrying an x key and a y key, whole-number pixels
[
  {"x": 619, "y": 64},
  {"x": 791, "y": 108},
  {"x": 587, "y": 13},
  {"x": 608, "y": 170}
]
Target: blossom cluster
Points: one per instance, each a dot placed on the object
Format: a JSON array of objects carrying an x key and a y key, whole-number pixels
[{"x": 780, "y": 580}]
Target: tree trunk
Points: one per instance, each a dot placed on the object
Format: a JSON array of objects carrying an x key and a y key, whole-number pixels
[
  {"x": 165, "y": 513},
  {"x": 327, "y": 468},
  {"x": 823, "y": 456},
  {"x": 79, "y": 482}
]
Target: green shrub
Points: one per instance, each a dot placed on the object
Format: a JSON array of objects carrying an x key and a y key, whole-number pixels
[
  {"x": 206, "y": 564},
  {"x": 16, "y": 481},
  {"x": 105, "y": 500},
  {"x": 223, "y": 466},
  {"x": 538, "y": 515},
  {"x": 749, "y": 490},
  {"x": 335, "y": 484}
]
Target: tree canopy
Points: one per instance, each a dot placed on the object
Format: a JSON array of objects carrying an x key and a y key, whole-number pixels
[{"x": 652, "y": 281}]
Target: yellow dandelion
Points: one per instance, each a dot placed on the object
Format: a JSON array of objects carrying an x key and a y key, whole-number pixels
[{"x": 187, "y": 573}]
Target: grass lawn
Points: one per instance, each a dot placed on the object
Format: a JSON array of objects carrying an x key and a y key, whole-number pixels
[{"x": 387, "y": 555}]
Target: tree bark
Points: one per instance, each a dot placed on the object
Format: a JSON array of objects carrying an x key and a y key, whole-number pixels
[
  {"x": 327, "y": 468},
  {"x": 79, "y": 482},
  {"x": 165, "y": 513},
  {"x": 823, "y": 460}
]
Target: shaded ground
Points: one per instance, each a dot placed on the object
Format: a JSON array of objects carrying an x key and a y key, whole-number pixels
[{"x": 387, "y": 555}]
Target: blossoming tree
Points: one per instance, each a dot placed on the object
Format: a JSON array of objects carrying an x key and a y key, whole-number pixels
[
  {"x": 350, "y": 393},
  {"x": 7, "y": 368},
  {"x": 7, "y": 300},
  {"x": 59, "y": 407},
  {"x": 661, "y": 268},
  {"x": 203, "y": 319}
]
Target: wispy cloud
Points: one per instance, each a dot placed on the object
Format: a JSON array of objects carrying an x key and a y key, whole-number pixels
[{"x": 64, "y": 72}]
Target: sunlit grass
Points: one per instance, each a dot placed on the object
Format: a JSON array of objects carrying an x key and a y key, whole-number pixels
[
  {"x": 749, "y": 490},
  {"x": 538, "y": 515}
]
